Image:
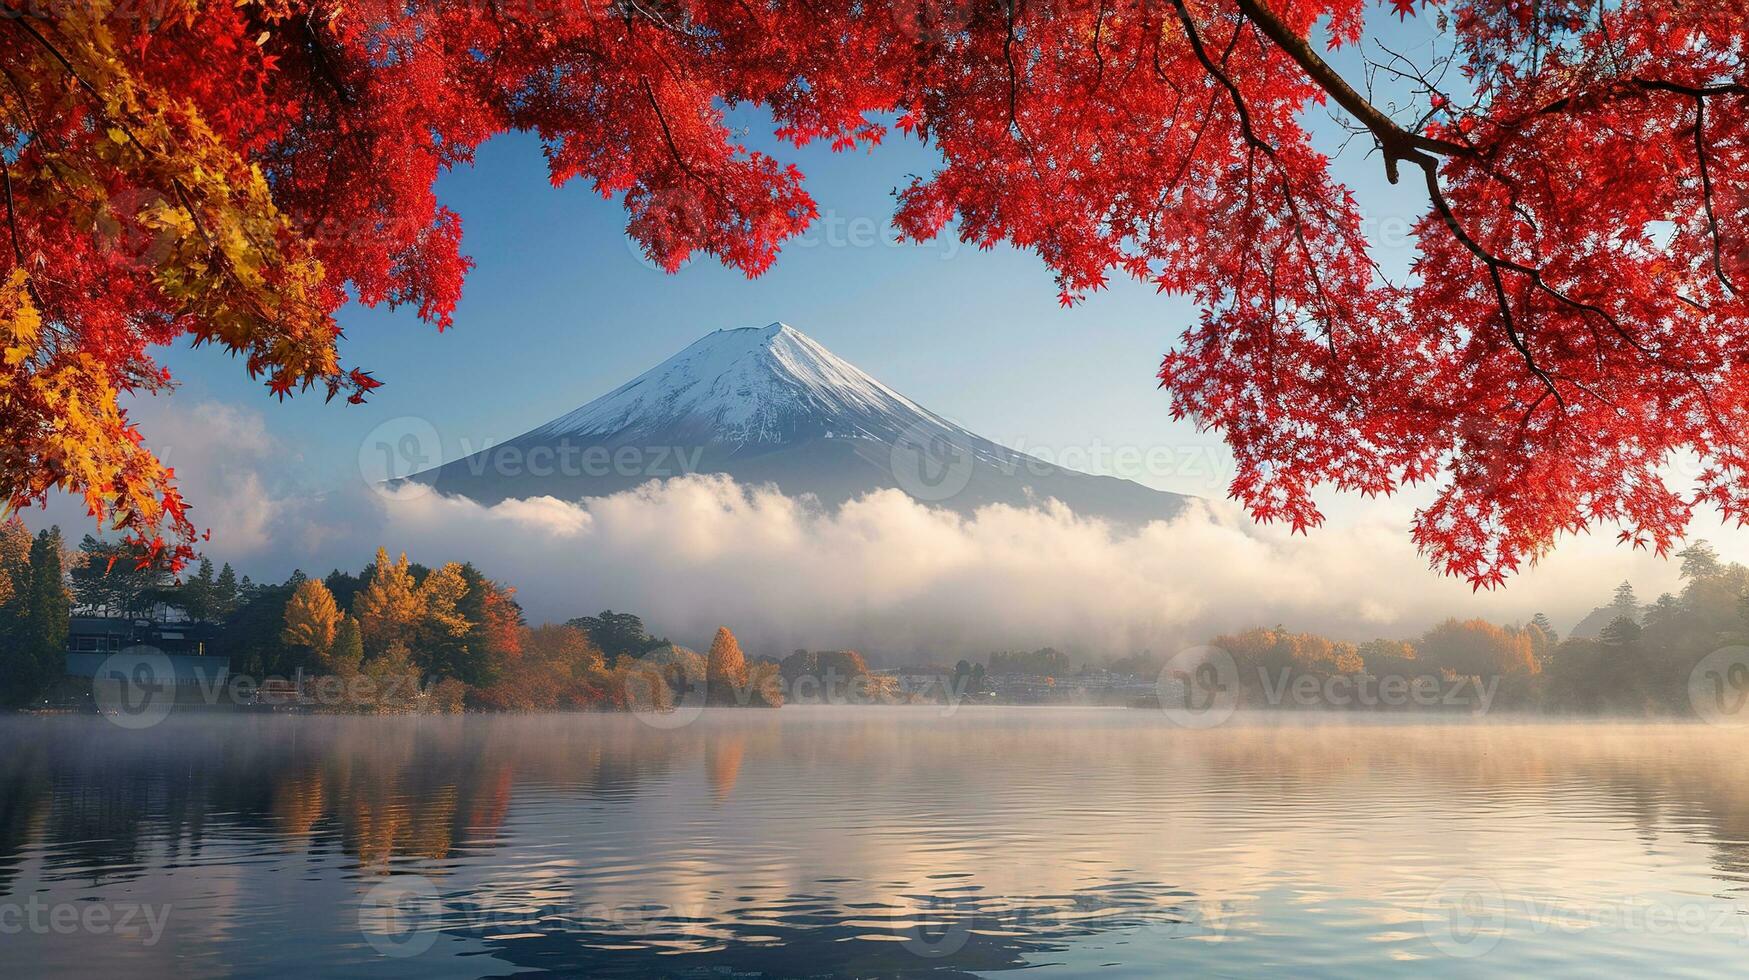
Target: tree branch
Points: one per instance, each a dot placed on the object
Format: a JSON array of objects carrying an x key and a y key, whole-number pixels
[
  {"x": 1396, "y": 142},
  {"x": 1706, "y": 191},
  {"x": 674, "y": 148},
  {"x": 1013, "y": 72},
  {"x": 11, "y": 215},
  {"x": 1399, "y": 144}
]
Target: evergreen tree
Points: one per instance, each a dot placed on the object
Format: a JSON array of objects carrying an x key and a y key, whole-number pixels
[
  {"x": 472, "y": 627},
  {"x": 35, "y": 650},
  {"x": 345, "y": 587},
  {"x": 1699, "y": 561},
  {"x": 1621, "y": 632},
  {"x": 50, "y": 606},
  {"x": 725, "y": 668},
  {"x": 1541, "y": 622},
  {"x": 1625, "y": 602},
  {"x": 347, "y": 652},
  {"x": 196, "y": 595},
  {"x": 16, "y": 669},
  {"x": 1664, "y": 611},
  {"x": 226, "y": 594},
  {"x": 15, "y": 543},
  {"x": 253, "y": 633},
  {"x": 618, "y": 634},
  {"x": 106, "y": 576}
]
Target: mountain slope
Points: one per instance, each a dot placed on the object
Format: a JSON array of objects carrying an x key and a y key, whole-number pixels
[{"x": 771, "y": 405}]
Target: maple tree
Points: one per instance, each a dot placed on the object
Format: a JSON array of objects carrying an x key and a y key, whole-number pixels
[{"x": 234, "y": 173}]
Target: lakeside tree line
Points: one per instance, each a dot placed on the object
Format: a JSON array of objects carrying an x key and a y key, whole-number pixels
[
  {"x": 397, "y": 635},
  {"x": 449, "y": 638},
  {"x": 34, "y": 606},
  {"x": 1628, "y": 657}
]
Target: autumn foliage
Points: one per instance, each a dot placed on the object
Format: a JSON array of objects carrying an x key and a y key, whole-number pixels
[
  {"x": 1277, "y": 649},
  {"x": 390, "y": 608},
  {"x": 312, "y": 619},
  {"x": 556, "y": 668},
  {"x": 229, "y": 173},
  {"x": 725, "y": 667},
  {"x": 1478, "y": 647}
]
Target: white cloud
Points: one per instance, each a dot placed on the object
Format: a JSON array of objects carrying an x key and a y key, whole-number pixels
[
  {"x": 889, "y": 574},
  {"x": 229, "y": 470},
  {"x": 883, "y": 573}
]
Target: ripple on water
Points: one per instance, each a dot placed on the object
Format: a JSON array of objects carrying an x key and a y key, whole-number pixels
[{"x": 873, "y": 842}]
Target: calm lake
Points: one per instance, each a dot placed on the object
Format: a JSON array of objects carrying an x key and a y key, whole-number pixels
[{"x": 872, "y": 842}]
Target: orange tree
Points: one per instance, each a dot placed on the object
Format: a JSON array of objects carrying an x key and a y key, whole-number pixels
[{"x": 232, "y": 173}]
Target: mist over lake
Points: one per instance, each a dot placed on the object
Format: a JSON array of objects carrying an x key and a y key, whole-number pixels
[{"x": 870, "y": 841}]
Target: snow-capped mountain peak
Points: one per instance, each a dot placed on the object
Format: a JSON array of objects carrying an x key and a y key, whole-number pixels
[
  {"x": 770, "y": 406},
  {"x": 749, "y": 385}
]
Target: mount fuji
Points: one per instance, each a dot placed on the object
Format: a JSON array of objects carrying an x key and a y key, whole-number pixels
[{"x": 770, "y": 405}]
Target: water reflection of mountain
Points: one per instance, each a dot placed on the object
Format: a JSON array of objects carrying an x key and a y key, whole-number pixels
[{"x": 863, "y": 841}]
